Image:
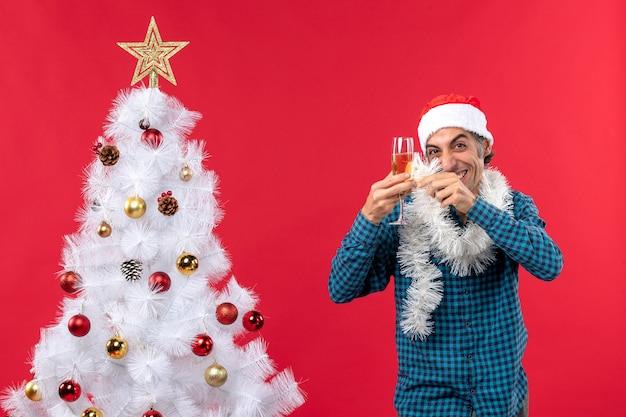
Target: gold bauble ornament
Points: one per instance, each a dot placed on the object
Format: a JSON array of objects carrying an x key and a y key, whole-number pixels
[
  {"x": 186, "y": 173},
  {"x": 104, "y": 230},
  {"x": 187, "y": 263},
  {"x": 135, "y": 207},
  {"x": 91, "y": 412},
  {"x": 215, "y": 375},
  {"x": 117, "y": 347},
  {"x": 33, "y": 391}
]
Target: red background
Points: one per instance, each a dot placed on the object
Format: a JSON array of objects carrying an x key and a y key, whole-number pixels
[{"x": 300, "y": 102}]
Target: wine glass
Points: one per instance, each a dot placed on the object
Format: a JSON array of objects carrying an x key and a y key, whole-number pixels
[{"x": 401, "y": 158}]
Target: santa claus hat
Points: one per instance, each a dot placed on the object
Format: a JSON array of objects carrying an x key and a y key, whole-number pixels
[{"x": 452, "y": 110}]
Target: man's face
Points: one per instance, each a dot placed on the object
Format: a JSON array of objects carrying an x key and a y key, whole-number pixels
[{"x": 459, "y": 152}]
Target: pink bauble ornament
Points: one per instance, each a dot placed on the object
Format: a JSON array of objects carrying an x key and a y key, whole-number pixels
[
  {"x": 152, "y": 137},
  {"x": 202, "y": 344},
  {"x": 252, "y": 321},
  {"x": 69, "y": 390},
  {"x": 79, "y": 325},
  {"x": 159, "y": 281},
  {"x": 226, "y": 313},
  {"x": 69, "y": 281}
]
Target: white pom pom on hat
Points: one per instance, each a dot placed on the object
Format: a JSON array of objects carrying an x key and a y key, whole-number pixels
[{"x": 452, "y": 110}]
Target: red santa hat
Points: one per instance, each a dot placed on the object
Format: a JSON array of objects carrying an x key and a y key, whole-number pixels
[{"x": 452, "y": 110}]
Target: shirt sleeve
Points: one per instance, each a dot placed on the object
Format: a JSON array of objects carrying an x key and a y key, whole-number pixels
[
  {"x": 521, "y": 236},
  {"x": 365, "y": 261}
]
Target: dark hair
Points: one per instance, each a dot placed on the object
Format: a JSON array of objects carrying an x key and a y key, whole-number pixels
[{"x": 481, "y": 140}]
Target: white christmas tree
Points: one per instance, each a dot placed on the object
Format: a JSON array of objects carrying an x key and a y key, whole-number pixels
[{"x": 152, "y": 325}]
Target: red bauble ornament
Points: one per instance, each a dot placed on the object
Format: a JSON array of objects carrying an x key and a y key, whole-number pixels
[
  {"x": 79, "y": 325},
  {"x": 69, "y": 281},
  {"x": 152, "y": 137},
  {"x": 202, "y": 344},
  {"x": 152, "y": 413},
  {"x": 252, "y": 320},
  {"x": 159, "y": 281},
  {"x": 226, "y": 313},
  {"x": 69, "y": 390}
]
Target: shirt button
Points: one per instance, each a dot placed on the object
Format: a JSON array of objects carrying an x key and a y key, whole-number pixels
[
  {"x": 470, "y": 356},
  {"x": 465, "y": 292},
  {"x": 472, "y": 391},
  {"x": 468, "y": 324}
]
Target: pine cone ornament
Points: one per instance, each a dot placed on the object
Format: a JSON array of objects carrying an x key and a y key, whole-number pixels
[
  {"x": 132, "y": 270},
  {"x": 168, "y": 205},
  {"x": 109, "y": 155}
]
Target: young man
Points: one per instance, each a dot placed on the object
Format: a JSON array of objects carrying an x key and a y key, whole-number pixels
[{"x": 460, "y": 334}]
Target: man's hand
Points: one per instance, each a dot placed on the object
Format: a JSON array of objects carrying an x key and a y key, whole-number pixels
[
  {"x": 385, "y": 194},
  {"x": 448, "y": 189}
]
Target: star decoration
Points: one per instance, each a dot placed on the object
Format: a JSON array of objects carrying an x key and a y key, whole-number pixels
[{"x": 153, "y": 56}]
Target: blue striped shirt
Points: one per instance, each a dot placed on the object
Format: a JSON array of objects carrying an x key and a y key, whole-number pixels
[{"x": 473, "y": 359}]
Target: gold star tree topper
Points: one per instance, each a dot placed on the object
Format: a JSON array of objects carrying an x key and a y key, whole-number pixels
[{"x": 153, "y": 56}]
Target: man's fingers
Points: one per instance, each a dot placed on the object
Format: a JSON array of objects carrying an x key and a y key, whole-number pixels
[
  {"x": 397, "y": 178},
  {"x": 440, "y": 179},
  {"x": 390, "y": 180},
  {"x": 424, "y": 181}
]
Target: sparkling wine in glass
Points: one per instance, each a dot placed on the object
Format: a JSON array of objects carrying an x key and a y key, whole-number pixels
[{"x": 401, "y": 158}]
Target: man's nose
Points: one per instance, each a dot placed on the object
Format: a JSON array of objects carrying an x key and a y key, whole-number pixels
[{"x": 447, "y": 161}]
